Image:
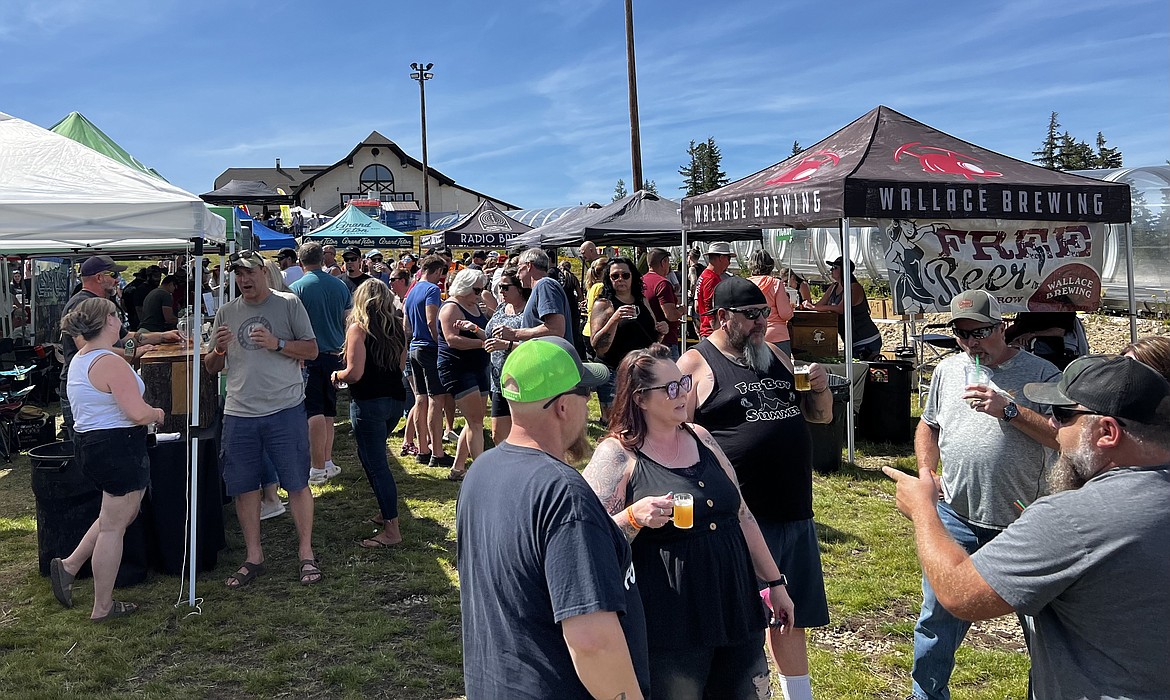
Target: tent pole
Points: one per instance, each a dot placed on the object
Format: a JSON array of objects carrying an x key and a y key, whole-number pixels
[
  {"x": 1129, "y": 282},
  {"x": 847, "y": 299},
  {"x": 195, "y": 279},
  {"x": 683, "y": 273}
]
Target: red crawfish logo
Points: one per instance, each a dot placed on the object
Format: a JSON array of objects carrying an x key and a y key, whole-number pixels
[
  {"x": 806, "y": 168},
  {"x": 941, "y": 160}
]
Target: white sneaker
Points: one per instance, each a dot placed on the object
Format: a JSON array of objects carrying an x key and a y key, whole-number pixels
[
  {"x": 451, "y": 436},
  {"x": 271, "y": 511},
  {"x": 320, "y": 476}
]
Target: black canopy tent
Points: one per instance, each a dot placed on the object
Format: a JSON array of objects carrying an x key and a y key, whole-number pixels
[
  {"x": 485, "y": 227},
  {"x": 886, "y": 166},
  {"x": 250, "y": 192}
]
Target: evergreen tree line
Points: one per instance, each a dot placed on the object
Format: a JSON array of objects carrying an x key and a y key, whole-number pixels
[{"x": 1062, "y": 151}]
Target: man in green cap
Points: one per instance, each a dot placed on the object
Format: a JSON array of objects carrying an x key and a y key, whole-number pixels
[{"x": 550, "y": 607}]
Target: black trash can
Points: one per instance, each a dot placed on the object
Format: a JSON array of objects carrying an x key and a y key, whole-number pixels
[
  {"x": 828, "y": 438},
  {"x": 885, "y": 412},
  {"x": 67, "y": 505}
]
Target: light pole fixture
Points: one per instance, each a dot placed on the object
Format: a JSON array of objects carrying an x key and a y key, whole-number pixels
[{"x": 422, "y": 74}]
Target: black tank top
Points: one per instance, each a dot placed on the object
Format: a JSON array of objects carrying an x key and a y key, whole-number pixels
[
  {"x": 631, "y": 334},
  {"x": 756, "y": 419},
  {"x": 474, "y": 358},
  {"x": 864, "y": 329},
  {"x": 377, "y": 381}
]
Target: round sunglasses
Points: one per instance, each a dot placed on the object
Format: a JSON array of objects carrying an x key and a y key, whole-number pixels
[
  {"x": 620, "y": 276},
  {"x": 673, "y": 388}
]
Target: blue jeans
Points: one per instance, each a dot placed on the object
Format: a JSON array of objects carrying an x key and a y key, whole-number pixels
[
  {"x": 372, "y": 421},
  {"x": 938, "y": 634}
]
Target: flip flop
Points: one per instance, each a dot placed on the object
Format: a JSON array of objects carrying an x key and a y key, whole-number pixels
[
  {"x": 251, "y": 571},
  {"x": 373, "y": 543},
  {"x": 62, "y": 583},
  {"x": 119, "y": 609},
  {"x": 456, "y": 474},
  {"x": 312, "y": 570},
  {"x": 376, "y": 520}
]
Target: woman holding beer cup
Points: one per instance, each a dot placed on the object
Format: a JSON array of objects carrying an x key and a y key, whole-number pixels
[
  {"x": 698, "y": 580},
  {"x": 620, "y": 321}
]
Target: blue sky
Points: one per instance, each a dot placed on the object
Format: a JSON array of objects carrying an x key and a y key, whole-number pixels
[{"x": 528, "y": 102}]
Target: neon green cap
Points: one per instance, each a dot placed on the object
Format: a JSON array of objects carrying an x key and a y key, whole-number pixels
[{"x": 542, "y": 368}]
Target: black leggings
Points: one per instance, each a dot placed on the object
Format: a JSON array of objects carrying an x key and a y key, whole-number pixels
[{"x": 739, "y": 671}]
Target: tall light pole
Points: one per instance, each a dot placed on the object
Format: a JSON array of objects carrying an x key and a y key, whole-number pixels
[
  {"x": 422, "y": 75},
  {"x": 635, "y": 131}
]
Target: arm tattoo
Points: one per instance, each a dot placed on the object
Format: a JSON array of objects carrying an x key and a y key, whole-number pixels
[{"x": 605, "y": 473}]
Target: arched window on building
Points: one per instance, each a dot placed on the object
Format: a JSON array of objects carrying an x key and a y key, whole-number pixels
[{"x": 377, "y": 180}]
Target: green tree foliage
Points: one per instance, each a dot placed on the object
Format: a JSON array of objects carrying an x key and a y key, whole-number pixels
[
  {"x": 1062, "y": 151},
  {"x": 1073, "y": 154},
  {"x": 1107, "y": 157},
  {"x": 796, "y": 148},
  {"x": 1046, "y": 156},
  {"x": 650, "y": 186},
  {"x": 702, "y": 173},
  {"x": 619, "y": 191}
]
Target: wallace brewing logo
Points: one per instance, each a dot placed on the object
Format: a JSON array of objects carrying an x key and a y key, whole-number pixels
[
  {"x": 941, "y": 160},
  {"x": 807, "y": 167}
]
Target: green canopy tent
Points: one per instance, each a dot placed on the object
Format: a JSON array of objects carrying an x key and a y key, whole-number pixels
[{"x": 83, "y": 131}]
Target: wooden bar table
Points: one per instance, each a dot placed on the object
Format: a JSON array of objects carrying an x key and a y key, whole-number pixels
[
  {"x": 166, "y": 373},
  {"x": 814, "y": 334}
]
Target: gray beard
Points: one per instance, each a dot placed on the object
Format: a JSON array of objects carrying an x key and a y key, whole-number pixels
[
  {"x": 1074, "y": 468},
  {"x": 757, "y": 356}
]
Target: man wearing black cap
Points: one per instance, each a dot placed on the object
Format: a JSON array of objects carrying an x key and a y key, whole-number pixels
[
  {"x": 99, "y": 278},
  {"x": 549, "y": 601},
  {"x": 743, "y": 392},
  {"x": 289, "y": 269},
  {"x": 354, "y": 274},
  {"x": 1089, "y": 563},
  {"x": 975, "y": 426},
  {"x": 478, "y": 258}
]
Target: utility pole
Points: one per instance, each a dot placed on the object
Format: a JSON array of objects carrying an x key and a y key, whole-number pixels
[
  {"x": 635, "y": 134},
  {"x": 422, "y": 75}
]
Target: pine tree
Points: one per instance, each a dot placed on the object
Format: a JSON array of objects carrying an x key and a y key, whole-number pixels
[
  {"x": 1106, "y": 157},
  {"x": 1047, "y": 154},
  {"x": 619, "y": 191},
  {"x": 796, "y": 148},
  {"x": 713, "y": 177},
  {"x": 650, "y": 187},
  {"x": 692, "y": 173},
  {"x": 1074, "y": 155}
]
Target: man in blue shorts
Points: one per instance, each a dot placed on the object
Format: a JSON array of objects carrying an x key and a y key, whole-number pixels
[
  {"x": 261, "y": 338},
  {"x": 422, "y": 326}
]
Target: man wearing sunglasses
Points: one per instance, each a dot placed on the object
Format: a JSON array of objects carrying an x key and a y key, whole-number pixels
[
  {"x": 99, "y": 278},
  {"x": 351, "y": 258},
  {"x": 549, "y": 601},
  {"x": 744, "y": 394},
  {"x": 994, "y": 444},
  {"x": 1089, "y": 563}
]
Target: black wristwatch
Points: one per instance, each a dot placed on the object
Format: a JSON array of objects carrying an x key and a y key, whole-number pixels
[
  {"x": 782, "y": 581},
  {"x": 279, "y": 345},
  {"x": 1010, "y": 411}
]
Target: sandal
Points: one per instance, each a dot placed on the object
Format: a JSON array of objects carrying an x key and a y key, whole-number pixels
[
  {"x": 310, "y": 572},
  {"x": 375, "y": 543},
  {"x": 456, "y": 474},
  {"x": 62, "y": 583},
  {"x": 376, "y": 520},
  {"x": 118, "y": 609},
  {"x": 251, "y": 571},
  {"x": 408, "y": 449}
]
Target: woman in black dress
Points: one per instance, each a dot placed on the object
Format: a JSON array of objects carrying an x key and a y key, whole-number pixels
[{"x": 704, "y": 618}]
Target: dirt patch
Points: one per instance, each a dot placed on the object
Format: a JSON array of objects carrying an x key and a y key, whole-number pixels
[{"x": 877, "y": 632}]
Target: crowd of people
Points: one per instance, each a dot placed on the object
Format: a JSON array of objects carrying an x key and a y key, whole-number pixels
[{"x": 686, "y": 553}]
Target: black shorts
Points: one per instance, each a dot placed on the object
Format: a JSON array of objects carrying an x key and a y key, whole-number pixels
[
  {"x": 424, "y": 367},
  {"x": 320, "y": 394},
  {"x": 114, "y": 459},
  {"x": 461, "y": 380},
  {"x": 793, "y": 545},
  {"x": 500, "y": 407}
]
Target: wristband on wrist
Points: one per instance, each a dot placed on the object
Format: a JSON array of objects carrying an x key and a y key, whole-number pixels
[
  {"x": 631, "y": 518},
  {"x": 782, "y": 581},
  {"x": 219, "y": 352}
]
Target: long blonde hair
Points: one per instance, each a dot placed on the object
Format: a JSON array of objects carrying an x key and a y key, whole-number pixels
[{"x": 373, "y": 311}]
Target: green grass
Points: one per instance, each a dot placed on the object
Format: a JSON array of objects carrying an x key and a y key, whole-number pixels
[{"x": 386, "y": 623}]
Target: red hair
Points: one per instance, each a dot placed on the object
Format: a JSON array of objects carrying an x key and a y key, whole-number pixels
[{"x": 636, "y": 371}]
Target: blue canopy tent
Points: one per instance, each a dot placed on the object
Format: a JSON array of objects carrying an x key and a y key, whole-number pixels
[
  {"x": 263, "y": 237},
  {"x": 352, "y": 227}
]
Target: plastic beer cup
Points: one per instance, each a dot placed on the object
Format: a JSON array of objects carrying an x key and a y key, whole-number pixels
[
  {"x": 801, "y": 375},
  {"x": 684, "y": 511}
]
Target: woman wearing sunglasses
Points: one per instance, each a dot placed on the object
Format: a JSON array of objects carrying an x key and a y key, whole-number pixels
[
  {"x": 463, "y": 361},
  {"x": 705, "y": 621},
  {"x": 620, "y": 322},
  {"x": 510, "y": 313},
  {"x": 867, "y": 340}
]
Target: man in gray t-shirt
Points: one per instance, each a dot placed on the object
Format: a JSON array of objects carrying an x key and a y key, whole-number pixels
[
  {"x": 1089, "y": 563},
  {"x": 261, "y": 338},
  {"x": 993, "y": 445}
]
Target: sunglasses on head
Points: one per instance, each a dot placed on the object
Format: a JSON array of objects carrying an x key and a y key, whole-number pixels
[
  {"x": 620, "y": 276},
  {"x": 244, "y": 255},
  {"x": 578, "y": 390},
  {"x": 673, "y": 388},
  {"x": 975, "y": 333},
  {"x": 753, "y": 314}
]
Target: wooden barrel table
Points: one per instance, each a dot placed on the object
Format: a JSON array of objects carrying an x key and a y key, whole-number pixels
[{"x": 166, "y": 372}]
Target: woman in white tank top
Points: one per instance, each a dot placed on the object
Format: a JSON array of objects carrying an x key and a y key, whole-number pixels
[{"x": 109, "y": 445}]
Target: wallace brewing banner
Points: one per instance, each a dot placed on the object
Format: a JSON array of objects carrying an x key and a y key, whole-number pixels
[{"x": 1026, "y": 265}]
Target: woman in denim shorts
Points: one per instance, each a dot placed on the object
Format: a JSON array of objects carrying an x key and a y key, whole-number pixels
[
  {"x": 109, "y": 443},
  {"x": 463, "y": 362}
]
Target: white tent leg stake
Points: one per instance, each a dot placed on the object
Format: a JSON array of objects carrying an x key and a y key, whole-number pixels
[
  {"x": 1129, "y": 282},
  {"x": 196, "y": 279},
  {"x": 847, "y": 300}
]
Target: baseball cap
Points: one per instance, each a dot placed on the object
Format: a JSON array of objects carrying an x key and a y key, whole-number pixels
[
  {"x": 374, "y": 252},
  {"x": 482, "y": 254},
  {"x": 351, "y": 250},
  {"x": 99, "y": 264},
  {"x": 286, "y": 253},
  {"x": 734, "y": 293},
  {"x": 249, "y": 259},
  {"x": 546, "y": 367},
  {"x": 1110, "y": 385},
  {"x": 719, "y": 248},
  {"x": 975, "y": 305}
]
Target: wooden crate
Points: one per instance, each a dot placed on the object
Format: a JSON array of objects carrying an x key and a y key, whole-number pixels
[
  {"x": 165, "y": 372},
  {"x": 814, "y": 334}
]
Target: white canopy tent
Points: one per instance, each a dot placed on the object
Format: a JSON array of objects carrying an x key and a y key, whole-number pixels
[{"x": 60, "y": 197}]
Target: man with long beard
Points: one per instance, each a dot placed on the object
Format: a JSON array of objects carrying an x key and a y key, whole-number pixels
[
  {"x": 1090, "y": 562},
  {"x": 550, "y": 607},
  {"x": 743, "y": 392}
]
